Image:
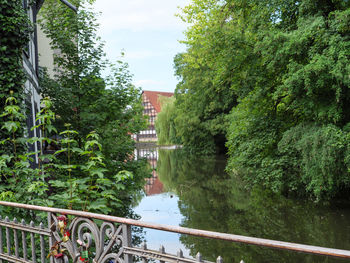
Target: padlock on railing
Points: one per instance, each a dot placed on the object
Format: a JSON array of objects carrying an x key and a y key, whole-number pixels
[
  {"x": 84, "y": 253},
  {"x": 65, "y": 237},
  {"x": 56, "y": 251},
  {"x": 62, "y": 223}
]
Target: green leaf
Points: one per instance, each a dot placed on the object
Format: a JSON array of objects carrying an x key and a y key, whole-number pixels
[
  {"x": 11, "y": 126},
  {"x": 98, "y": 171}
]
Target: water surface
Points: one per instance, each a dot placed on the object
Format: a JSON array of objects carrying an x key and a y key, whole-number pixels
[{"x": 196, "y": 192}]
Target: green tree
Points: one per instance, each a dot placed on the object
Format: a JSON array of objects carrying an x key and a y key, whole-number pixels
[
  {"x": 165, "y": 126},
  {"x": 217, "y": 68},
  {"x": 290, "y": 133},
  {"x": 253, "y": 73},
  {"x": 89, "y": 101}
]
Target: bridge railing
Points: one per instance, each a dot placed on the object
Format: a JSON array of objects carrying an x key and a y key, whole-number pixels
[{"x": 78, "y": 236}]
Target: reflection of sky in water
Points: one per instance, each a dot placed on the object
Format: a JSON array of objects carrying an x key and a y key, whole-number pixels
[{"x": 161, "y": 209}]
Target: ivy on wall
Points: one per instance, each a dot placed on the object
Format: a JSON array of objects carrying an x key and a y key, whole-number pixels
[{"x": 14, "y": 36}]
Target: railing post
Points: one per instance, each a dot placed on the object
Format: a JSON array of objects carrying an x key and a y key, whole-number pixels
[
  {"x": 49, "y": 224},
  {"x": 162, "y": 250},
  {"x": 127, "y": 242},
  {"x": 42, "y": 244},
  {"x": 15, "y": 239},
  {"x": 32, "y": 241},
  {"x": 24, "y": 242},
  {"x": 8, "y": 242},
  {"x": 144, "y": 247}
]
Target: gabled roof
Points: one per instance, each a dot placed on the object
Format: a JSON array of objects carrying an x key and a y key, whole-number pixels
[{"x": 153, "y": 98}]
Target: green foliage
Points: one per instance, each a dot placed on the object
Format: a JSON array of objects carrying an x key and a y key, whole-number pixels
[
  {"x": 73, "y": 176},
  {"x": 85, "y": 159},
  {"x": 289, "y": 132},
  {"x": 16, "y": 174},
  {"x": 165, "y": 125},
  {"x": 14, "y": 36},
  {"x": 88, "y": 101},
  {"x": 320, "y": 153},
  {"x": 255, "y": 71}
]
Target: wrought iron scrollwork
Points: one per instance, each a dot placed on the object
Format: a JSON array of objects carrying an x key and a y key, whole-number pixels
[
  {"x": 79, "y": 240},
  {"x": 105, "y": 243}
]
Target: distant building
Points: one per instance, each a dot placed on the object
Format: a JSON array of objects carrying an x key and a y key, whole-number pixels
[{"x": 151, "y": 104}]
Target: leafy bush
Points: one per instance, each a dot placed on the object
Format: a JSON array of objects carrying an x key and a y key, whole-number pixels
[
  {"x": 316, "y": 154},
  {"x": 72, "y": 176}
]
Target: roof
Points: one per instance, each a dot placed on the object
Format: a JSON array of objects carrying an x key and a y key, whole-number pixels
[{"x": 153, "y": 97}]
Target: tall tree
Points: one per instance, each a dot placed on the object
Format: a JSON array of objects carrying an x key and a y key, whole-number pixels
[
  {"x": 88, "y": 101},
  {"x": 256, "y": 74},
  {"x": 165, "y": 126}
]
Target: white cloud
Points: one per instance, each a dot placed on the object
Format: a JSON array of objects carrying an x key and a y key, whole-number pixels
[{"x": 137, "y": 15}]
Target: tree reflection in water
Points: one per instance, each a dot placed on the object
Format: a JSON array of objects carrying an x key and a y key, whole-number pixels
[{"x": 210, "y": 199}]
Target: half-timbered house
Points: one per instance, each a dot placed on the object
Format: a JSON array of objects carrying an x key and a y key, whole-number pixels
[{"x": 151, "y": 107}]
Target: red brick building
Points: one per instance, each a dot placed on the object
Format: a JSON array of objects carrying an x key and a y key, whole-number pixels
[{"x": 151, "y": 104}]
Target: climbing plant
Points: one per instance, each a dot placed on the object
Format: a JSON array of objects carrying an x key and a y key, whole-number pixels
[{"x": 14, "y": 36}]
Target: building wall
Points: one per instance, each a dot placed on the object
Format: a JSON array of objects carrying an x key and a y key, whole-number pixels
[
  {"x": 45, "y": 52},
  {"x": 32, "y": 90},
  {"x": 152, "y": 106},
  {"x": 150, "y": 133}
]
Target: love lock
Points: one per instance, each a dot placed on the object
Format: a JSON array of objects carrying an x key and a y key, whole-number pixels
[
  {"x": 56, "y": 251},
  {"x": 84, "y": 254},
  {"x": 53, "y": 250},
  {"x": 65, "y": 237},
  {"x": 62, "y": 223}
]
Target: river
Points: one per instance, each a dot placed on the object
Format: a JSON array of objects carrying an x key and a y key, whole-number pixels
[{"x": 196, "y": 192}]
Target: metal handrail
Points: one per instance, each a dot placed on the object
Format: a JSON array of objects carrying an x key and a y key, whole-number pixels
[{"x": 194, "y": 232}]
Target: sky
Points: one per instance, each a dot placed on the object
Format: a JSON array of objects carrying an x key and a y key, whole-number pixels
[{"x": 148, "y": 32}]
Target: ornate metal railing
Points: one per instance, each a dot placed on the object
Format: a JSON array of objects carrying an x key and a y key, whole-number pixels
[{"x": 77, "y": 236}]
